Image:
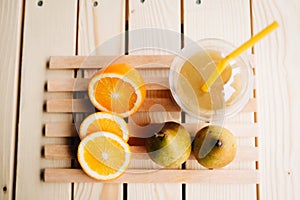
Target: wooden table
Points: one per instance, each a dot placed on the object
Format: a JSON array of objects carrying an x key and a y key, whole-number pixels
[{"x": 31, "y": 31}]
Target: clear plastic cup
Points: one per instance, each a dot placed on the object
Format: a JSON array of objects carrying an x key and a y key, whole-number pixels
[{"x": 192, "y": 67}]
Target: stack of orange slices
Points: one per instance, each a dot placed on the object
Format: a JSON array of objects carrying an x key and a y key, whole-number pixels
[{"x": 118, "y": 91}]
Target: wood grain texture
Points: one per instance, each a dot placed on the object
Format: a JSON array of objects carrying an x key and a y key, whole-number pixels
[
  {"x": 67, "y": 152},
  {"x": 278, "y": 94},
  {"x": 149, "y": 105},
  {"x": 96, "y": 62},
  {"x": 69, "y": 130},
  {"x": 81, "y": 84},
  {"x": 60, "y": 130},
  {"x": 101, "y": 28},
  {"x": 143, "y": 176},
  {"x": 215, "y": 19},
  {"x": 84, "y": 105},
  {"x": 45, "y": 34},
  {"x": 277, "y": 58},
  {"x": 10, "y": 26},
  {"x": 99, "y": 33},
  {"x": 143, "y": 40}
]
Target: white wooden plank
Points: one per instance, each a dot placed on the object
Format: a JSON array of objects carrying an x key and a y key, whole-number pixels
[
  {"x": 10, "y": 25},
  {"x": 101, "y": 27},
  {"x": 239, "y": 130},
  {"x": 277, "y": 58},
  {"x": 49, "y": 29},
  {"x": 96, "y": 62},
  {"x": 153, "y": 103},
  {"x": 154, "y": 27},
  {"x": 144, "y": 39},
  {"x": 160, "y": 176},
  {"x": 81, "y": 84},
  {"x": 68, "y": 152},
  {"x": 100, "y": 33},
  {"x": 215, "y": 19}
]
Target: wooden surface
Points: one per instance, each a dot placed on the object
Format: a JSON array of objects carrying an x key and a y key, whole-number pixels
[
  {"x": 278, "y": 82},
  {"x": 142, "y": 18},
  {"x": 84, "y": 105},
  {"x": 197, "y": 26},
  {"x": 62, "y": 152},
  {"x": 140, "y": 159},
  {"x": 52, "y": 29},
  {"x": 10, "y": 44},
  {"x": 44, "y": 34},
  {"x": 97, "y": 25},
  {"x": 152, "y": 176},
  {"x": 68, "y": 129},
  {"x": 143, "y": 39}
]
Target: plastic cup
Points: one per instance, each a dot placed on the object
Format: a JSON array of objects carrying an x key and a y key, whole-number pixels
[{"x": 193, "y": 66}]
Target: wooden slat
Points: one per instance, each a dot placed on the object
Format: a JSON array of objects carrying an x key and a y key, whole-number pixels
[
  {"x": 10, "y": 43},
  {"x": 84, "y": 105},
  {"x": 67, "y": 85},
  {"x": 239, "y": 130},
  {"x": 81, "y": 84},
  {"x": 144, "y": 40},
  {"x": 60, "y": 130},
  {"x": 251, "y": 106},
  {"x": 69, "y": 130},
  {"x": 160, "y": 176},
  {"x": 97, "y": 62},
  {"x": 69, "y": 105},
  {"x": 279, "y": 97},
  {"x": 49, "y": 29},
  {"x": 60, "y": 151},
  {"x": 244, "y": 153}
]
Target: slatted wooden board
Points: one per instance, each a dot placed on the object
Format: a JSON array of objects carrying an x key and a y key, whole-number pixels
[{"x": 80, "y": 107}]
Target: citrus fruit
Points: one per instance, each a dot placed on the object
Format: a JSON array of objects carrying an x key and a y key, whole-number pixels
[
  {"x": 103, "y": 155},
  {"x": 117, "y": 88},
  {"x": 102, "y": 121}
]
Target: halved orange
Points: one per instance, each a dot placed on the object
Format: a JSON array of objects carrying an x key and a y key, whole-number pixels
[
  {"x": 103, "y": 121},
  {"x": 103, "y": 155},
  {"x": 117, "y": 88}
]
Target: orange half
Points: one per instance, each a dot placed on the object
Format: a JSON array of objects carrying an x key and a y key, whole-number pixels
[
  {"x": 103, "y": 155},
  {"x": 117, "y": 88},
  {"x": 102, "y": 121}
]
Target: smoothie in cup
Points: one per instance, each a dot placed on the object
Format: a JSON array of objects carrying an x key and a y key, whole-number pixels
[{"x": 191, "y": 69}]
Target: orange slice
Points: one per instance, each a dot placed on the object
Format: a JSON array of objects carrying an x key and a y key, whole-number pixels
[
  {"x": 102, "y": 121},
  {"x": 117, "y": 88},
  {"x": 103, "y": 155}
]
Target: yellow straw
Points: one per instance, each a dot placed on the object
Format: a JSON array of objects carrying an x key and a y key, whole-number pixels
[{"x": 222, "y": 65}]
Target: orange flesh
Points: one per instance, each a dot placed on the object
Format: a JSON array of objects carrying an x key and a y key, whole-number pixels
[
  {"x": 115, "y": 95},
  {"x": 93, "y": 155},
  {"x": 104, "y": 125}
]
